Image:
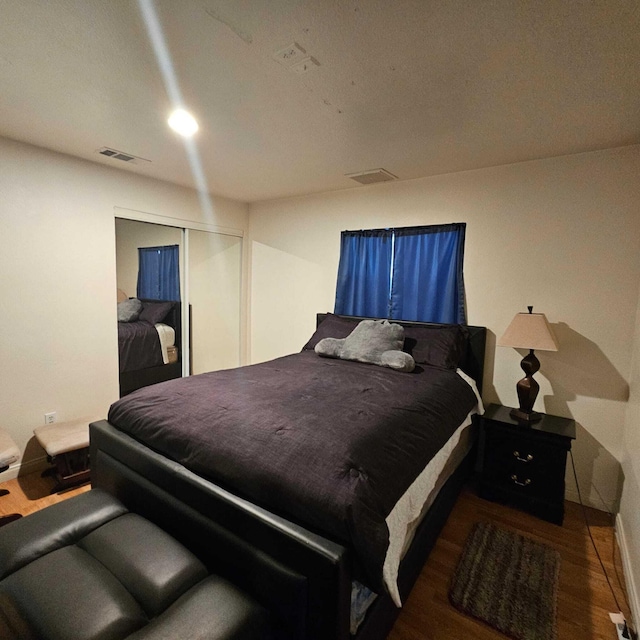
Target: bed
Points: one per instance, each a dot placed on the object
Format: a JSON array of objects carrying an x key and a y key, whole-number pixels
[
  {"x": 309, "y": 549},
  {"x": 149, "y": 335}
]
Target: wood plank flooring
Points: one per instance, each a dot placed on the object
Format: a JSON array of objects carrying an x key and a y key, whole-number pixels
[
  {"x": 32, "y": 492},
  {"x": 584, "y": 597}
]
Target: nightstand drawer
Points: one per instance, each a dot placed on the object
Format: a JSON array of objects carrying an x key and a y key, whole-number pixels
[
  {"x": 522, "y": 456},
  {"x": 532, "y": 480}
]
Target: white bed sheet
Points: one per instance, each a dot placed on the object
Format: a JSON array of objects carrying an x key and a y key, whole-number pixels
[
  {"x": 167, "y": 337},
  {"x": 412, "y": 506},
  {"x": 411, "y": 509}
]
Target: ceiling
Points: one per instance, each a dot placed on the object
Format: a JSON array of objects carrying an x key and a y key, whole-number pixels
[{"x": 417, "y": 87}]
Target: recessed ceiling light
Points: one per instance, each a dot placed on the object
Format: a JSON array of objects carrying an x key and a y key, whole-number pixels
[{"x": 183, "y": 122}]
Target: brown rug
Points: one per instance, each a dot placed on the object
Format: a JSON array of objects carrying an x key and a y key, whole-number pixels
[{"x": 508, "y": 581}]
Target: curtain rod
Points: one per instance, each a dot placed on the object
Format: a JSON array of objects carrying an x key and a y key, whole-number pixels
[{"x": 430, "y": 228}]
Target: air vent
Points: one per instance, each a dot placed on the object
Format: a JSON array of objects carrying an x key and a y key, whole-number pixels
[
  {"x": 120, "y": 155},
  {"x": 372, "y": 176}
]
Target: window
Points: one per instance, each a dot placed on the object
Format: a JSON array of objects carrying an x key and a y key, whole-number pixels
[
  {"x": 159, "y": 273},
  {"x": 409, "y": 273}
]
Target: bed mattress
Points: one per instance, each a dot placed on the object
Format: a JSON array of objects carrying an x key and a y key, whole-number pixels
[
  {"x": 420, "y": 497},
  {"x": 331, "y": 444}
]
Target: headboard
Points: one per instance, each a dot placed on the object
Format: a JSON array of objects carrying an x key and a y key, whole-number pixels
[
  {"x": 173, "y": 319},
  {"x": 472, "y": 363}
]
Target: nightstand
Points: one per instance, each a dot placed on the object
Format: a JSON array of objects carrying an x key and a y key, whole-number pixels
[{"x": 523, "y": 465}]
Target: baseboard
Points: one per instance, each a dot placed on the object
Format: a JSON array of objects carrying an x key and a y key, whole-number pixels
[
  {"x": 629, "y": 578},
  {"x": 24, "y": 468}
]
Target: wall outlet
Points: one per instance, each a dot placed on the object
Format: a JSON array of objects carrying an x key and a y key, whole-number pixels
[{"x": 50, "y": 418}]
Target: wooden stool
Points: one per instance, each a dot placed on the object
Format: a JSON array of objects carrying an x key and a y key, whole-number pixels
[
  {"x": 9, "y": 454},
  {"x": 67, "y": 447}
]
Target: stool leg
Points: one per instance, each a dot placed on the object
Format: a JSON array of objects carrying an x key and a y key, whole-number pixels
[
  {"x": 71, "y": 469},
  {"x": 12, "y": 516}
]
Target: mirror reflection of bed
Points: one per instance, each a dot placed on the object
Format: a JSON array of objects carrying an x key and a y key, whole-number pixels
[{"x": 149, "y": 335}]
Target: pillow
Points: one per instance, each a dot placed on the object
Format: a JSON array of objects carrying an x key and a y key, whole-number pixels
[
  {"x": 154, "y": 312},
  {"x": 129, "y": 310},
  {"x": 372, "y": 341},
  {"x": 331, "y": 327},
  {"x": 437, "y": 346}
]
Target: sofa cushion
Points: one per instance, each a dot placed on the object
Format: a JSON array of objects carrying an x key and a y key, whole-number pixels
[
  {"x": 87, "y": 569},
  {"x": 153, "y": 567},
  {"x": 49, "y": 529},
  {"x": 237, "y": 617},
  {"x": 69, "y": 595}
]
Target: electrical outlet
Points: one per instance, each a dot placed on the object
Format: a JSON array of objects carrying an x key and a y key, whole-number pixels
[{"x": 50, "y": 418}]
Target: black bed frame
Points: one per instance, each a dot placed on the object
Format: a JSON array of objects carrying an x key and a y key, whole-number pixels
[
  {"x": 132, "y": 380},
  {"x": 301, "y": 576}
]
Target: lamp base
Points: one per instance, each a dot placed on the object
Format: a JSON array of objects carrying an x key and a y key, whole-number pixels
[{"x": 522, "y": 416}]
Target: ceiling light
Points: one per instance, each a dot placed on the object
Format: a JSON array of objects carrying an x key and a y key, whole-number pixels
[{"x": 183, "y": 122}]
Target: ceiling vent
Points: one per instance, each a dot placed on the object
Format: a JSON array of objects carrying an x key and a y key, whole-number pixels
[
  {"x": 372, "y": 176},
  {"x": 120, "y": 155}
]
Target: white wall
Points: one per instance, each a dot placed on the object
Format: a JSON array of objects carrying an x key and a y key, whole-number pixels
[
  {"x": 560, "y": 234},
  {"x": 58, "y": 343},
  {"x": 628, "y": 521}
]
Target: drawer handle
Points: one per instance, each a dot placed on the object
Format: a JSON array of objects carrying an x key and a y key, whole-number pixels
[
  {"x": 515, "y": 480},
  {"x": 517, "y": 456}
]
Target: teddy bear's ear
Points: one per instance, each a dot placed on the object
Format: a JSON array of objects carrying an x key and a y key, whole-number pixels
[
  {"x": 329, "y": 347},
  {"x": 398, "y": 360}
]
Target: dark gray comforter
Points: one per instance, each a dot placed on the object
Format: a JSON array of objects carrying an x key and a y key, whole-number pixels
[
  {"x": 138, "y": 346},
  {"x": 328, "y": 443}
]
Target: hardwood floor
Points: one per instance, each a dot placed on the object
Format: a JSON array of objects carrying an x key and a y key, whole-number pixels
[
  {"x": 584, "y": 597},
  {"x": 32, "y": 492}
]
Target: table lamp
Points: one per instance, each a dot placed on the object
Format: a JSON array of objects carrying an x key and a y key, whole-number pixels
[{"x": 528, "y": 331}]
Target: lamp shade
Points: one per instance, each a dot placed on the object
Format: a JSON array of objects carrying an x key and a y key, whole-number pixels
[{"x": 529, "y": 331}]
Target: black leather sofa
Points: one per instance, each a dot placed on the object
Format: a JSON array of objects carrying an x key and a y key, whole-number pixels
[{"x": 88, "y": 569}]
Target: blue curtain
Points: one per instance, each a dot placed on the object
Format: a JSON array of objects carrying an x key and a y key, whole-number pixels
[
  {"x": 364, "y": 273},
  {"x": 427, "y": 282},
  {"x": 411, "y": 273},
  {"x": 159, "y": 273}
]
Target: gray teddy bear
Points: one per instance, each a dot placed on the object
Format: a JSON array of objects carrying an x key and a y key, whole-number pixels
[{"x": 372, "y": 341}]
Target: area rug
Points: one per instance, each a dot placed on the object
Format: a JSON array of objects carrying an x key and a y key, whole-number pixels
[{"x": 508, "y": 581}]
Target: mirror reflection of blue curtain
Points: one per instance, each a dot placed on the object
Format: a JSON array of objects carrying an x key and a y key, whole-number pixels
[
  {"x": 428, "y": 285},
  {"x": 411, "y": 273},
  {"x": 363, "y": 273},
  {"x": 159, "y": 273}
]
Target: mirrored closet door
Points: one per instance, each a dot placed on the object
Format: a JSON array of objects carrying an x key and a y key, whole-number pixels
[
  {"x": 210, "y": 266},
  {"x": 214, "y": 271}
]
